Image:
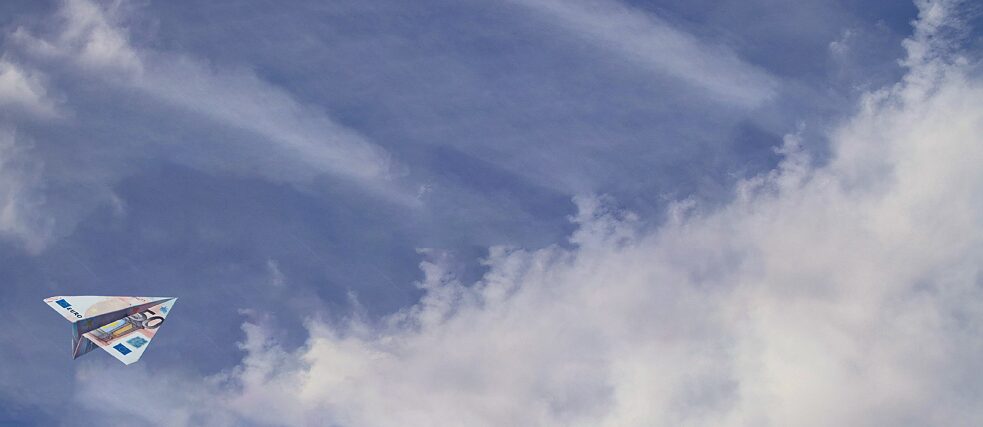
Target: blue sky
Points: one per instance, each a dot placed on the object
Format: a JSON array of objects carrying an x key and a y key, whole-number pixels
[{"x": 520, "y": 212}]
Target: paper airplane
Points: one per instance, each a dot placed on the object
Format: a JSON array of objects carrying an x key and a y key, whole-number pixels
[{"x": 123, "y": 326}]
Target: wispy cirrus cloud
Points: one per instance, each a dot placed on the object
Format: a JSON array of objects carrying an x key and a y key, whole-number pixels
[
  {"x": 303, "y": 140},
  {"x": 844, "y": 294},
  {"x": 654, "y": 43},
  {"x": 278, "y": 138}
]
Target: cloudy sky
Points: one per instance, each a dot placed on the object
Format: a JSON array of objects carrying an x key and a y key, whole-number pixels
[{"x": 492, "y": 213}]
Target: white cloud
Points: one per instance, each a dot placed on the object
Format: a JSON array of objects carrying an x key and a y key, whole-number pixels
[
  {"x": 654, "y": 43},
  {"x": 841, "y": 46},
  {"x": 305, "y": 138},
  {"x": 87, "y": 33},
  {"x": 277, "y": 279},
  {"x": 302, "y": 139},
  {"x": 280, "y": 139},
  {"x": 91, "y": 34},
  {"x": 847, "y": 294},
  {"x": 22, "y": 210},
  {"x": 23, "y": 89},
  {"x": 23, "y": 217}
]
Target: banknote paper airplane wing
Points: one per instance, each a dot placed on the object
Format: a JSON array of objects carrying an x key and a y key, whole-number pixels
[
  {"x": 123, "y": 326},
  {"x": 127, "y": 338}
]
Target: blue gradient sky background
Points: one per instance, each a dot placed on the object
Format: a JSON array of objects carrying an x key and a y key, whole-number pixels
[{"x": 522, "y": 212}]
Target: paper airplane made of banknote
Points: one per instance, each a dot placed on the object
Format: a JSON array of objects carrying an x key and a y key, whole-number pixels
[{"x": 123, "y": 326}]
